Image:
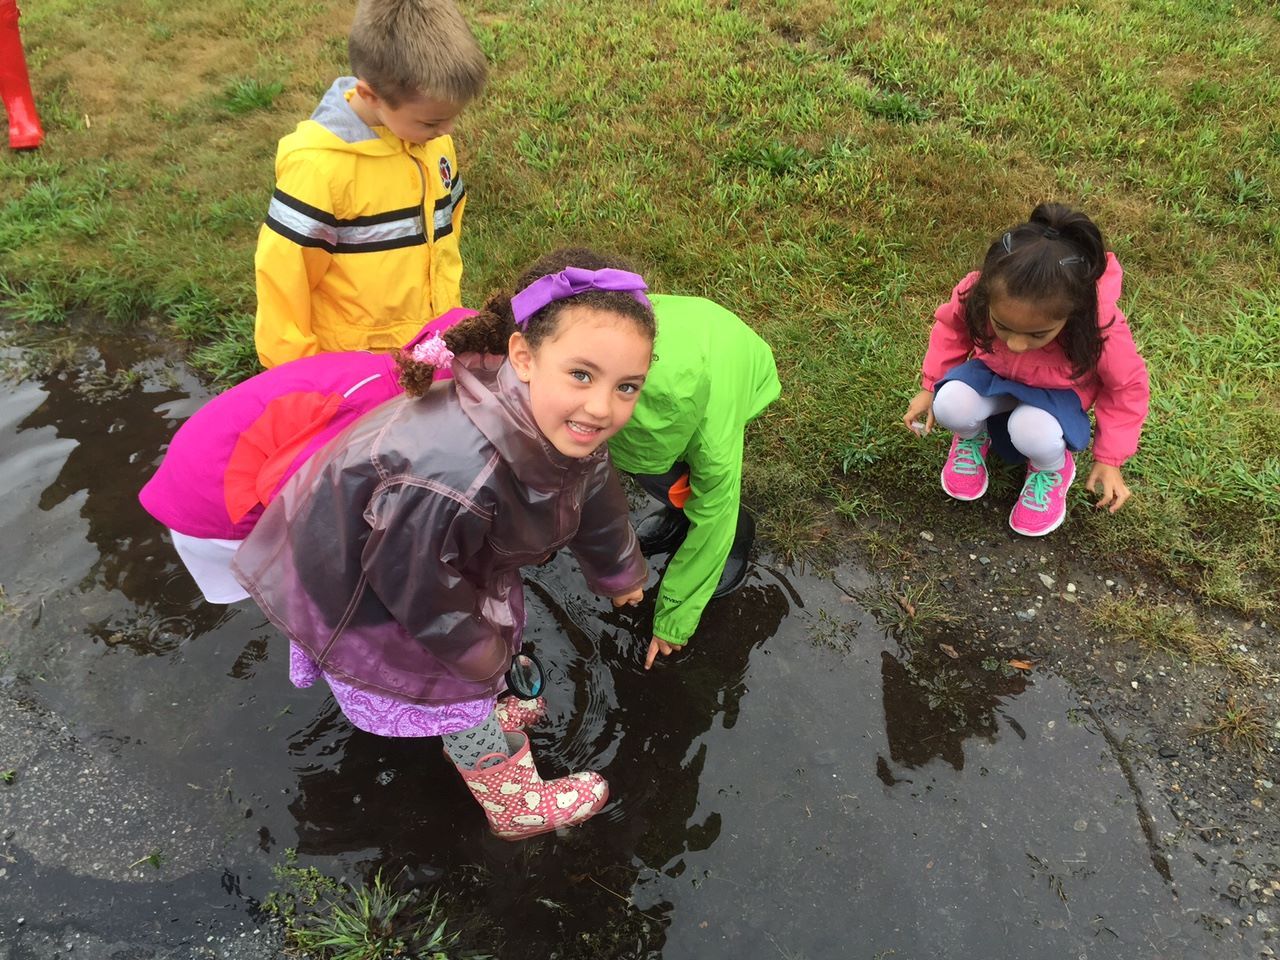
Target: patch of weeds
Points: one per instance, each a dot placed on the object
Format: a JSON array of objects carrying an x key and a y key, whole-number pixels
[
  {"x": 334, "y": 921},
  {"x": 231, "y": 357},
  {"x": 1173, "y": 631},
  {"x": 864, "y": 449},
  {"x": 302, "y": 889},
  {"x": 101, "y": 386},
  {"x": 1246, "y": 191},
  {"x": 831, "y": 633},
  {"x": 912, "y": 611},
  {"x": 38, "y": 302},
  {"x": 1002, "y": 667},
  {"x": 246, "y": 94},
  {"x": 897, "y": 107},
  {"x": 1206, "y": 93},
  {"x": 8, "y": 776},
  {"x": 947, "y": 691},
  {"x": 1240, "y": 725},
  {"x": 775, "y": 158},
  {"x": 540, "y": 151}
]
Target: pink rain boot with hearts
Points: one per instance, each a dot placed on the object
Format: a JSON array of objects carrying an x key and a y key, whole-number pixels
[
  {"x": 520, "y": 804},
  {"x": 516, "y": 714}
]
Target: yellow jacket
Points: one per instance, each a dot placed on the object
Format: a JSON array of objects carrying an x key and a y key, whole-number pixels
[{"x": 344, "y": 260}]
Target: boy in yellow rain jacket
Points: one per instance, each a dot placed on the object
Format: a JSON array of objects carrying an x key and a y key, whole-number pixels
[{"x": 360, "y": 244}]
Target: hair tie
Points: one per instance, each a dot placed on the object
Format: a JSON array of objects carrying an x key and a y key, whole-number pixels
[
  {"x": 1051, "y": 233},
  {"x": 572, "y": 281},
  {"x": 433, "y": 351}
]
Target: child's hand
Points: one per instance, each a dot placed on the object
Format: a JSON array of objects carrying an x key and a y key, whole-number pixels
[
  {"x": 1114, "y": 492},
  {"x": 921, "y": 405},
  {"x": 658, "y": 646},
  {"x": 629, "y": 599}
]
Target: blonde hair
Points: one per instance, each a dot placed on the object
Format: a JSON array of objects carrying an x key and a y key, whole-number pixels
[{"x": 416, "y": 48}]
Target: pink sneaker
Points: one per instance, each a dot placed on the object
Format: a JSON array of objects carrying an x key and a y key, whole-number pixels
[
  {"x": 516, "y": 714},
  {"x": 964, "y": 475},
  {"x": 520, "y": 804},
  {"x": 1042, "y": 506}
]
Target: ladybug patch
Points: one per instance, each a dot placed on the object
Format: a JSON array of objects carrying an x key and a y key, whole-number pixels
[{"x": 446, "y": 173}]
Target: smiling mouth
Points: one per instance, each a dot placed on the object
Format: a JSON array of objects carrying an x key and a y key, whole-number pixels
[{"x": 582, "y": 429}]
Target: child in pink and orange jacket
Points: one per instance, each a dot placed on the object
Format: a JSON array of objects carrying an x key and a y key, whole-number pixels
[
  {"x": 227, "y": 462},
  {"x": 1020, "y": 354}
]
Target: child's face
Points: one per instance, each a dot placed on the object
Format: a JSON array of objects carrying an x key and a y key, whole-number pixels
[
  {"x": 584, "y": 380},
  {"x": 1024, "y": 325},
  {"x": 415, "y": 121}
]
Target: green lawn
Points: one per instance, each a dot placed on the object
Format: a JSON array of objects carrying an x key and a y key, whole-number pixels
[{"x": 828, "y": 170}]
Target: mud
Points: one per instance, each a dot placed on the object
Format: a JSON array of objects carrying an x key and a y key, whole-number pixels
[{"x": 802, "y": 782}]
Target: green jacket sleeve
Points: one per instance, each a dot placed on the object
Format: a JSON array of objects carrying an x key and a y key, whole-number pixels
[{"x": 715, "y": 477}]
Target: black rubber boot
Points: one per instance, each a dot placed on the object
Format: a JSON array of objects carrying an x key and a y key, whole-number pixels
[
  {"x": 735, "y": 568},
  {"x": 662, "y": 532}
]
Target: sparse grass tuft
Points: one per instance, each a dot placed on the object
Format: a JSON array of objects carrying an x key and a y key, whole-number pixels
[
  {"x": 910, "y": 611},
  {"x": 1240, "y": 725},
  {"x": 1177, "y": 632}
]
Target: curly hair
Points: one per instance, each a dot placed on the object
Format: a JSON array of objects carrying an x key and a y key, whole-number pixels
[
  {"x": 489, "y": 331},
  {"x": 1056, "y": 257}
]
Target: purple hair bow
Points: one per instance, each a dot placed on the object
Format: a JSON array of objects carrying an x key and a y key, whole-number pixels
[{"x": 572, "y": 281}]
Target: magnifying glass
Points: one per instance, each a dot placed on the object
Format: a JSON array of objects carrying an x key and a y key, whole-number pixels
[{"x": 525, "y": 678}]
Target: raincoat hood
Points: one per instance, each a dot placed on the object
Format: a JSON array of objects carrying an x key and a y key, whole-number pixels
[{"x": 337, "y": 126}]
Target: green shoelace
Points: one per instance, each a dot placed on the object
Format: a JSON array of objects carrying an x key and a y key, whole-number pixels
[
  {"x": 1035, "y": 492},
  {"x": 969, "y": 455}
]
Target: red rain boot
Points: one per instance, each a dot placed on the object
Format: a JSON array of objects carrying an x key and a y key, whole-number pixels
[
  {"x": 516, "y": 714},
  {"x": 25, "y": 132},
  {"x": 520, "y": 804}
]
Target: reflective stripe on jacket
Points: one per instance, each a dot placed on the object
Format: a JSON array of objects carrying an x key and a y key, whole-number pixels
[{"x": 360, "y": 244}]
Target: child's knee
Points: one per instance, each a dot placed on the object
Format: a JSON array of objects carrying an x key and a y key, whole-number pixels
[
  {"x": 957, "y": 407},
  {"x": 1036, "y": 434}
]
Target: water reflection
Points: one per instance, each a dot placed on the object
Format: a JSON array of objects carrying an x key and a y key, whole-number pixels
[
  {"x": 113, "y": 425},
  {"x": 932, "y": 704}
]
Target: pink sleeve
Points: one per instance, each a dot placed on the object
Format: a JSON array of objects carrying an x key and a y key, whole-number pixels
[
  {"x": 1123, "y": 395},
  {"x": 949, "y": 343}
]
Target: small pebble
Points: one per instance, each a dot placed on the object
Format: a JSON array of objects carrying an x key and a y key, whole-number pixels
[
  {"x": 1080, "y": 826},
  {"x": 1071, "y": 588},
  {"x": 926, "y": 535},
  {"x": 1027, "y": 615},
  {"x": 1047, "y": 580},
  {"x": 1121, "y": 666}
]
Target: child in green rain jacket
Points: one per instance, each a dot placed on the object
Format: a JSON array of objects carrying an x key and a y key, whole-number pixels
[{"x": 711, "y": 374}]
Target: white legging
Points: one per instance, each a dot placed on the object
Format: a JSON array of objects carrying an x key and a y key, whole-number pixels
[{"x": 1035, "y": 433}]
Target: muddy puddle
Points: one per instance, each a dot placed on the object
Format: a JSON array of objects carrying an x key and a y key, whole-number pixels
[{"x": 799, "y": 784}]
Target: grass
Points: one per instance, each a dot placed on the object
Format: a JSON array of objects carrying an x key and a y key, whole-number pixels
[
  {"x": 329, "y": 920},
  {"x": 1176, "y": 632},
  {"x": 827, "y": 170},
  {"x": 1240, "y": 725},
  {"x": 910, "y": 611}
]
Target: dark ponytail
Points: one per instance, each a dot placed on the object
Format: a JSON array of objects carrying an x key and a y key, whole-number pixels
[
  {"x": 1057, "y": 256},
  {"x": 489, "y": 331}
]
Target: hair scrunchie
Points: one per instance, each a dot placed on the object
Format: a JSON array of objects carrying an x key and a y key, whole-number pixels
[{"x": 433, "y": 351}]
